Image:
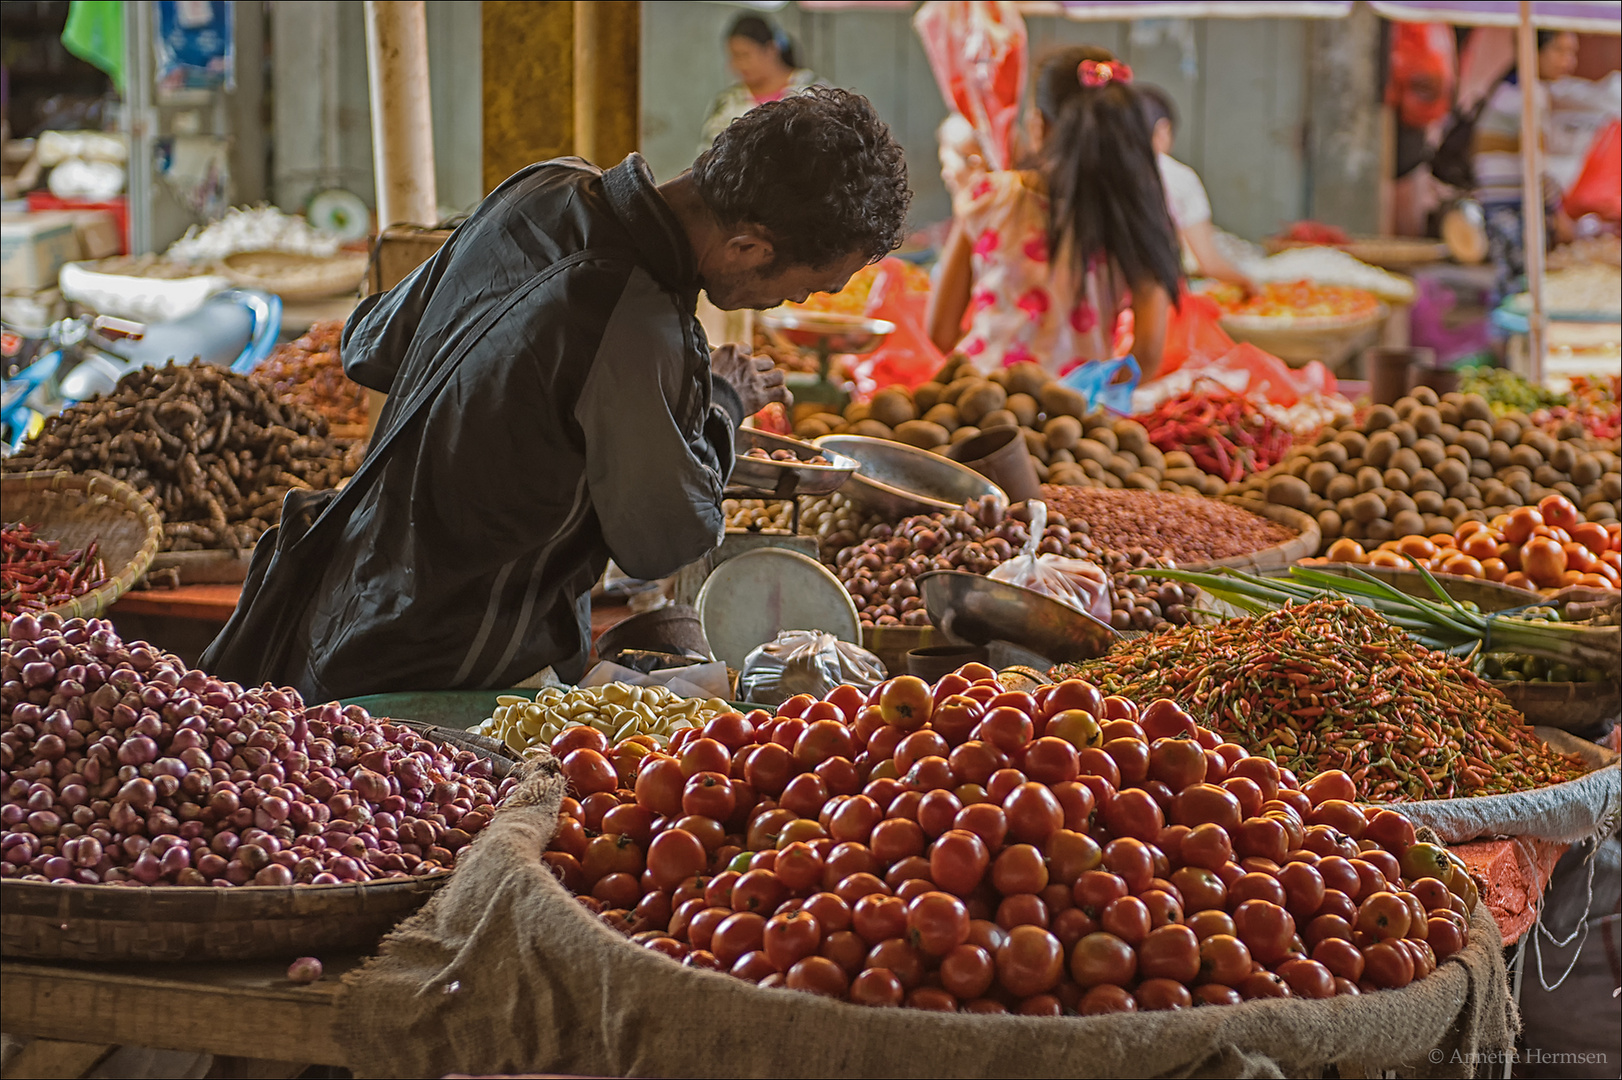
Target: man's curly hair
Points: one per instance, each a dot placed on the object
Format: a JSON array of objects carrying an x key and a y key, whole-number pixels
[{"x": 819, "y": 171}]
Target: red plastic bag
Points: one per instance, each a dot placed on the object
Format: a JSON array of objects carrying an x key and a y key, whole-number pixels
[
  {"x": 1598, "y": 188},
  {"x": 978, "y": 52},
  {"x": 907, "y": 358},
  {"x": 1193, "y": 333}
]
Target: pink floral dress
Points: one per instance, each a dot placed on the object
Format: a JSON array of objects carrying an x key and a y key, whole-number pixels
[{"x": 1023, "y": 305}]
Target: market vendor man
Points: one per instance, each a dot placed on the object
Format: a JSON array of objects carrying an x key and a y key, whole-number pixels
[{"x": 553, "y": 402}]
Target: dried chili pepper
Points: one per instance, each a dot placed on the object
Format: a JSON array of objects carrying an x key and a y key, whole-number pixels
[{"x": 35, "y": 574}]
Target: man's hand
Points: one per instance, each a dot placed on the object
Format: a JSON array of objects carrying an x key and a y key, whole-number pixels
[{"x": 755, "y": 378}]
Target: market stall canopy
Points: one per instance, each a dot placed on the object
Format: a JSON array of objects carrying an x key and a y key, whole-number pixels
[
  {"x": 1584, "y": 16},
  {"x": 1106, "y": 10}
]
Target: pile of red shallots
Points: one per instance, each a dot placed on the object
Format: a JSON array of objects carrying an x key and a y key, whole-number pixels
[{"x": 121, "y": 766}]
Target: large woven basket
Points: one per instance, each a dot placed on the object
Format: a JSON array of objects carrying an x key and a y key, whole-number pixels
[
  {"x": 1576, "y": 707},
  {"x": 1300, "y": 341},
  {"x": 1303, "y": 544},
  {"x": 77, "y": 508},
  {"x": 108, "y": 923}
]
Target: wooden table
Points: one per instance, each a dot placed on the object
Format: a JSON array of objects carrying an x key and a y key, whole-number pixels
[
  {"x": 208, "y": 603},
  {"x": 233, "y": 1010}
]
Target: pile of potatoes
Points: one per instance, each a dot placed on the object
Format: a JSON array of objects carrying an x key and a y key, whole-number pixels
[
  {"x": 1429, "y": 464},
  {"x": 1067, "y": 444}
]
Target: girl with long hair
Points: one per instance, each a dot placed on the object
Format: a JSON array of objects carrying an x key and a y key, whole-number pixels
[{"x": 1043, "y": 259}]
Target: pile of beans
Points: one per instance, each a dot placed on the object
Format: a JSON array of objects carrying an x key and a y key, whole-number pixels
[
  {"x": 121, "y": 766},
  {"x": 881, "y": 572},
  {"x": 1181, "y": 528}
]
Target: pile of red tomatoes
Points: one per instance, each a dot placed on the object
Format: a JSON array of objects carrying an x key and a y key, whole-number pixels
[{"x": 964, "y": 847}]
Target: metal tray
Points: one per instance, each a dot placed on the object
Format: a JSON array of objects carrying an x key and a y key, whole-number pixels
[
  {"x": 897, "y": 480},
  {"x": 785, "y": 479},
  {"x": 980, "y": 610}
]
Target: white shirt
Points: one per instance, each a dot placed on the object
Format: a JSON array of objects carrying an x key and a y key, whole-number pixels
[{"x": 1185, "y": 195}]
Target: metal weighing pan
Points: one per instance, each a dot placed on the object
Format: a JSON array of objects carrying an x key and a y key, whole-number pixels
[
  {"x": 786, "y": 479},
  {"x": 980, "y": 610},
  {"x": 747, "y": 599},
  {"x": 897, "y": 480}
]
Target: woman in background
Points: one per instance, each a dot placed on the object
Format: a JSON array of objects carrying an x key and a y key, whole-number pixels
[
  {"x": 1043, "y": 260},
  {"x": 762, "y": 57},
  {"x": 1185, "y": 195}
]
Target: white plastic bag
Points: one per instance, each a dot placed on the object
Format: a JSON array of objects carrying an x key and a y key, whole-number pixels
[
  {"x": 1073, "y": 582},
  {"x": 805, "y": 662}
]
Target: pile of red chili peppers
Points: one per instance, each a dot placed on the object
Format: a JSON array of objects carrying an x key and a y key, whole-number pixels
[
  {"x": 1331, "y": 685},
  {"x": 36, "y": 574},
  {"x": 1225, "y": 433}
]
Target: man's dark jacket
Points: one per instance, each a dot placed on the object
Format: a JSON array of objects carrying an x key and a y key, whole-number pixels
[{"x": 582, "y": 424}]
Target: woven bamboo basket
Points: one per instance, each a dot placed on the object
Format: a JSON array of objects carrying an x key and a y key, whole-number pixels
[
  {"x": 296, "y": 277},
  {"x": 1569, "y": 706},
  {"x": 75, "y": 509},
  {"x": 112, "y": 923},
  {"x": 1304, "y": 544},
  {"x": 1300, "y": 341}
]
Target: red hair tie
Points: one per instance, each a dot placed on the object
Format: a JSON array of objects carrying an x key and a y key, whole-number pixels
[{"x": 1096, "y": 73}]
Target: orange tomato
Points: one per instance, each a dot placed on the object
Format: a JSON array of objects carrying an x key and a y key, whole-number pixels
[
  {"x": 1568, "y": 579},
  {"x": 1442, "y": 540},
  {"x": 1511, "y": 555},
  {"x": 1543, "y": 560},
  {"x": 1494, "y": 569},
  {"x": 1553, "y": 532},
  {"x": 1480, "y": 545},
  {"x": 1612, "y": 558},
  {"x": 1420, "y": 547},
  {"x": 1611, "y": 574},
  {"x": 1522, "y": 520},
  {"x": 1595, "y": 581},
  {"x": 1517, "y": 580},
  {"x": 1387, "y": 558},
  {"x": 1579, "y": 558},
  {"x": 1390, "y": 545},
  {"x": 1346, "y": 550},
  {"x": 1447, "y": 553},
  {"x": 1558, "y": 510},
  {"x": 1463, "y": 566},
  {"x": 1467, "y": 529},
  {"x": 1592, "y": 536}
]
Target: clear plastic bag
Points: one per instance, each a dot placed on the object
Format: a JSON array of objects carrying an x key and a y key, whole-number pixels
[
  {"x": 1075, "y": 583},
  {"x": 805, "y": 662}
]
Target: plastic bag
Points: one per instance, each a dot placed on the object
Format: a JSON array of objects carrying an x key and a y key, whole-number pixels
[
  {"x": 1099, "y": 382},
  {"x": 805, "y": 662},
  {"x": 1598, "y": 188},
  {"x": 907, "y": 358},
  {"x": 1423, "y": 70},
  {"x": 1194, "y": 333},
  {"x": 1074, "y": 583},
  {"x": 978, "y": 51}
]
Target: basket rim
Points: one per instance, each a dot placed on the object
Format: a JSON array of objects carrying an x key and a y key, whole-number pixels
[{"x": 97, "y": 601}]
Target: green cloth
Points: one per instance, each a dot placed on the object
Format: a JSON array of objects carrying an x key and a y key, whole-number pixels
[{"x": 95, "y": 33}]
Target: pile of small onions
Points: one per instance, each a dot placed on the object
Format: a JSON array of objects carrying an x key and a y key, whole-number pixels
[{"x": 120, "y": 766}]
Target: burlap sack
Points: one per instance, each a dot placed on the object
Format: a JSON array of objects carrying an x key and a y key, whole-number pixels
[
  {"x": 503, "y": 972},
  {"x": 1577, "y": 810}
]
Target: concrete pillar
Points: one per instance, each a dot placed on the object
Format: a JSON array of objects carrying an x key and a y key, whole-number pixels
[{"x": 402, "y": 118}]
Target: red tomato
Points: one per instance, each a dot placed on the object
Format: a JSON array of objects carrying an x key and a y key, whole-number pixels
[
  {"x": 1077, "y": 801},
  {"x": 1070, "y": 854},
  {"x": 1384, "y": 915},
  {"x": 1051, "y": 761},
  {"x": 1019, "y": 869},
  {"x": 1208, "y": 923},
  {"x": 853, "y": 887},
  {"x": 899, "y": 957},
  {"x": 1127, "y": 918},
  {"x": 588, "y": 772},
  {"x": 823, "y": 739},
  {"x": 790, "y": 938},
  {"x": 1006, "y": 728},
  {"x": 674, "y": 856},
  {"x": 855, "y": 819},
  {"x": 1034, "y": 814},
  {"x": 1134, "y": 813},
  {"x": 958, "y": 861},
  {"x": 818, "y": 975},
  {"x": 1343, "y": 959},
  {"x": 1102, "y": 958},
  {"x": 932, "y": 999},
  {"x": 897, "y": 839},
  {"x": 1266, "y": 928},
  {"x": 1223, "y": 959},
  {"x": 1387, "y": 965},
  {"x": 967, "y": 971},
  {"x": 918, "y": 745},
  {"x": 937, "y": 810},
  {"x": 1105, "y": 999},
  {"x": 1095, "y": 889},
  {"x": 877, "y": 987},
  {"x": 1170, "y": 952},
  {"x": 1177, "y": 762},
  {"x": 832, "y": 913},
  {"x": 738, "y": 934},
  {"x": 845, "y": 948},
  {"x": 1264, "y": 984},
  {"x": 1074, "y": 694},
  {"x": 1131, "y": 757},
  {"x": 877, "y": 917},
  {"x": 1207, "y": 845},
  {"x": 798, "y": 867},
  {"x": 1303, "y": 889},
  {"x": 1202, "y": 890},
  {"x": 769, "y": 769},
  {"x": 936, "y": 923},
  {"x": 987, "y": 821},
  {"x": 1133, "y": 860},
  {"x": 1030, "y": 962},
  {"x": 975, "y": 761},
  {"x": 1201, "y": 803},
  {"x": 1558, "y": 511}
]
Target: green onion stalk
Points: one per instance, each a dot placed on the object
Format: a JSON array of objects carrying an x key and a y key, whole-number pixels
[{"x": 1443, "y": 623}]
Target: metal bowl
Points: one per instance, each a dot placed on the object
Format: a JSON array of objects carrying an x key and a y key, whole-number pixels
[
  {"x": 980, "y": 610},
  {"x": 785, "y": 479},
  {"x": 827, "y": 330},
  {"x": 897, "y": 480}
]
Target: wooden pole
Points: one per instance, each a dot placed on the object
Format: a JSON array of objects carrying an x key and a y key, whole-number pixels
[
  {"x": 1532, "y": 225},
  {"x": 402, "y": 121},
  {"x": 607, "y": 94}
]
